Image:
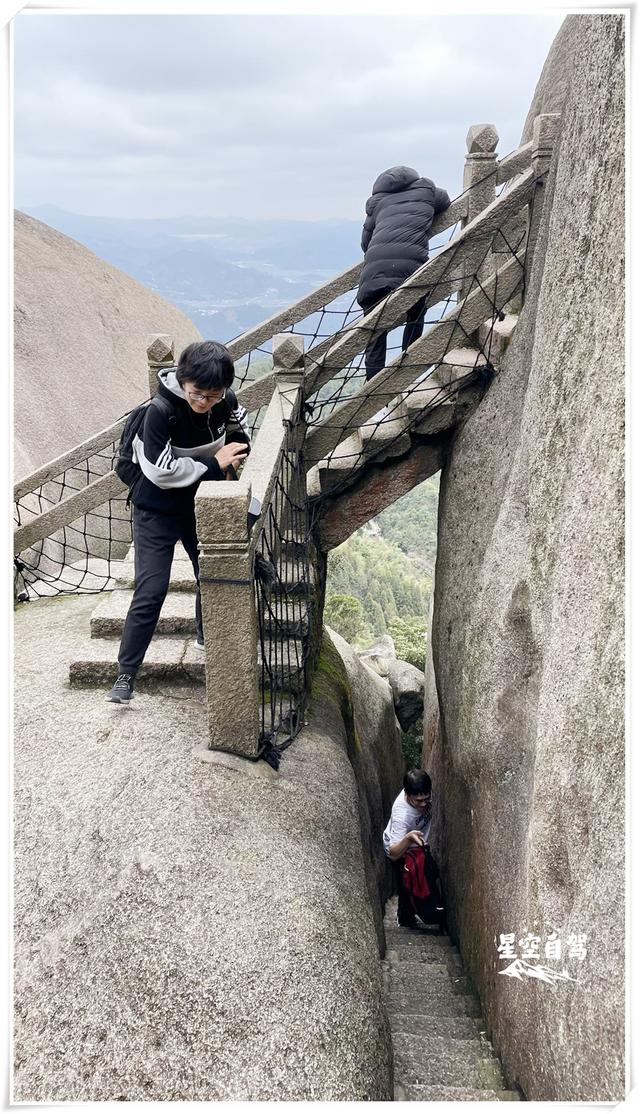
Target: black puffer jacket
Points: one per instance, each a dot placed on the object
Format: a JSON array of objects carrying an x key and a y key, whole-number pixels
[{"x": 395, "y": 236}]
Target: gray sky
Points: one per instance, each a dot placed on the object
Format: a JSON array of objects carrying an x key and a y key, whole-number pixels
[{"x": 261, "y": 116}]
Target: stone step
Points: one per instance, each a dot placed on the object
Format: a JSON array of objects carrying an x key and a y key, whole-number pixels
[
  {"x": 177, "y": 618},
  {"x": 292, "y": 576},
  {"x": 416, "y": 1093},
  {"x": 441, "y": 1002},
  {"x": 440, "y": 418},
  {"x": 182, "y": 575},
  {"x": 285, "y": 618},
  {"x": 418, "y": 937},
  {"x": 457, "y": 1027},
  {"x": 405, "y": 970},
  {"x": 452, "y": 1064},
  {"x": 342, "y": 463},
  {"x": 425, "y": 392},
  {"x": 385, "y": 435},
  {"x": 459, "y": 362},
  {"x": 448, "y": 961},
  {"x": 174, "y": 660},
  {"x": 495, "y": 336},
  {"x": 423, "y": 984},
  {"x": 420, "y": 1041}
]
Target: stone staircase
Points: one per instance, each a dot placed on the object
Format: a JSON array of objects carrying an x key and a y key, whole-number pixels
[
  {"x": 172, "y": 655},
  {"x": 441, "y": 1052},
  {"x": 390, "y": 433}
]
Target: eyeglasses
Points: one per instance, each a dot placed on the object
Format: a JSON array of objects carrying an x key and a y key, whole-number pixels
[{"x": 206, "y": 398}]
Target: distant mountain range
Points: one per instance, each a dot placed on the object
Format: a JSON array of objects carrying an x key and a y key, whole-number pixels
[{"x": 225, "y": 274}]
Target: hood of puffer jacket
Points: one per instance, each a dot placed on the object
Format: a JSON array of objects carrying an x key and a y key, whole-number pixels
[{"x": 395, "y": 179}]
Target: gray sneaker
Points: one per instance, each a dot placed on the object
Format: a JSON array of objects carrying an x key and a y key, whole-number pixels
[
  {"x": 199, "y": 643},
  {"x": 122, "y": 692}
]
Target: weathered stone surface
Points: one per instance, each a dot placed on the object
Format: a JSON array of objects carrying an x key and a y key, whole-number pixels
[
  {"x": 375, "y": 751},
  {"x": 528, "y": 623},
  {"x": 76, "y": 314},
  {"x": 288, "y": 351},
  {"x": 378, "y": 656},
  {"x": 190, "y": 926},
  {"x": 557, "y": 74},
  {"x": 482, "y": 139},
  {"x": 376, "y": 488},
  {"x": 160, "y": 348},
  {"x": 407, "y": 685}
]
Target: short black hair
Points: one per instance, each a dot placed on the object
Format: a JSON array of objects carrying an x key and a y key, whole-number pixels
[
  {"x": 207, "y": 364},
  {"x": 416, "y": 782}
]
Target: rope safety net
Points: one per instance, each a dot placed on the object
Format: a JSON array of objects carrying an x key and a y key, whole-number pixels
[{"x": 284, "y": 594}]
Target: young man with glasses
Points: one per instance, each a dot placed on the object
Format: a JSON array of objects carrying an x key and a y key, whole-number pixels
[
  {"x": 183, "y": 441},
  {"x": 409, "y": 824}
]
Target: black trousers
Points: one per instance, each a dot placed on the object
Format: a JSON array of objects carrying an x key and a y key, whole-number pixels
[
  {"x": 406, "y": 911},
  {"x": 154, "y": 537},
  {"x": 375, "y": 356}
]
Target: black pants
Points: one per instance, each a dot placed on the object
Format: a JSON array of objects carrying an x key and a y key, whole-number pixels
[
  {"x": 154, "y": 537},
  {"x": 406, "y": 911},
  {"x": 375, "y": 355}
]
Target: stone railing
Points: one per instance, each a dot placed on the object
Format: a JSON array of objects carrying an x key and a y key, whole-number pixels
[
  {"x": 239, "y": 665},
  {"x": 484, "y": 173},
  {"x": 245, "y": 674},
  {"x": 469, "y": 266}
]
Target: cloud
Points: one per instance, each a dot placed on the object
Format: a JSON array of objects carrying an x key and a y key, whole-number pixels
[{"x": 290, "y": 116}]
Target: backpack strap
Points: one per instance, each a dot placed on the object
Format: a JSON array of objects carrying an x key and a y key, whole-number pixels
[{"x": 165, "y": 405}]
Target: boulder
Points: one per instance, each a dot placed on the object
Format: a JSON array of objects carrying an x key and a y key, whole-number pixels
[
  {"x": 375, "y": 752},
  {"x": 378, "y": 656},
  {"x": 528, "y": 641},
  {"x": 189, "y": 925},
  {"x": 80, "y": 331},
  {"x": 407, "y": 685}
]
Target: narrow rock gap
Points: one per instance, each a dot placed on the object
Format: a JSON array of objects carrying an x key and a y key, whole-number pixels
[{"x": 440, "y": 1048}]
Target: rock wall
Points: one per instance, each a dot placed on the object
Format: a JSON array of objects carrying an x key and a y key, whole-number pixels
[
  {"x": 188, "y": 925},
  {"x": 80, "y": 342},
  {"x": 528, "y": 622},
  {"x": 373, "y": 741}
]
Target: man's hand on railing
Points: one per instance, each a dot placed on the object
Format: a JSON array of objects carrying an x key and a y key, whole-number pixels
[{"x": 232, "y": 455}]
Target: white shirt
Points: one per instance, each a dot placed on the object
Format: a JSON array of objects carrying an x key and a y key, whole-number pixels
[{"x": 404, "y": 818}]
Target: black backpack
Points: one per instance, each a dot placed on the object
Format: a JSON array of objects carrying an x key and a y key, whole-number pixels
[{"x": 124, "y": 463}]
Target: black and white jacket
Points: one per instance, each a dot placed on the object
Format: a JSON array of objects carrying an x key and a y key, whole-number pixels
[{"x": 176, "y": 451}]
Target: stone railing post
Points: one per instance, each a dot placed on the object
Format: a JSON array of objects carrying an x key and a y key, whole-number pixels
[
  {"x": 229, "y": 611},
  {"x": 546, "y": 129},
  {"x": 480, "y": 179},
  {"x": 160, "y": 353},
  {"x": 288, "y": 368},
  {"x": 229, "y": 617}
]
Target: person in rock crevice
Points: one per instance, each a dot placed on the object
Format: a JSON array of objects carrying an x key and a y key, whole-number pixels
[
  {"x": 409, "y": 825},
  {"x": 395, "y": 242},
  {"x": 182, "y": 444}
]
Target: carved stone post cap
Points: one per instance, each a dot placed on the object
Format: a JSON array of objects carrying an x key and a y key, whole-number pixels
[
  {"x": 159, "y": 348},
  {"x": 482, "y": 139},
  {"x": 288, "y": 351},
  {"x": 545, "y": 129}
]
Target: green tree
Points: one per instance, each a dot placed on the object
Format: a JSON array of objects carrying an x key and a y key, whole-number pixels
[
  {"x": 410, "y": 639},
  {"x": 344, "y": 614}
]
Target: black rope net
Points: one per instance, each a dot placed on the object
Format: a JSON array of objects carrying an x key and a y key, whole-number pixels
[
  {"x": 284, "y": 595},
  {"x": 78, "y": 557}
]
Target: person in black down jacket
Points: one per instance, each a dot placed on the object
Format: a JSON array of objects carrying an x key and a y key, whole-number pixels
[{"x": 395, "y": 242}]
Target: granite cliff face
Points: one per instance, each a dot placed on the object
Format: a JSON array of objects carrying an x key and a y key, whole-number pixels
[
  {"x": 80, "y": 336},
  {"x": 528, "y": 621}
]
